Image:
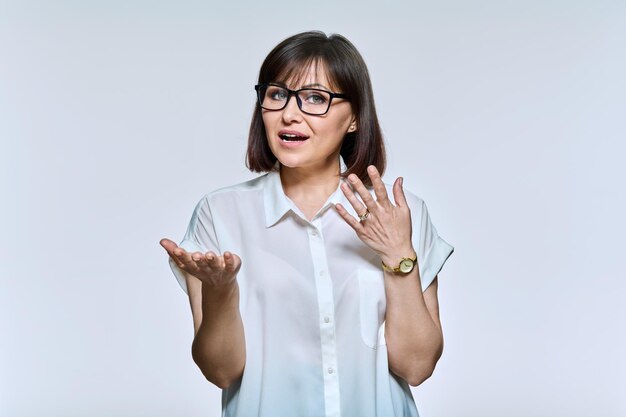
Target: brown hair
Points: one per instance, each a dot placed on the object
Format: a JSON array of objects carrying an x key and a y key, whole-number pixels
[{"x": 348, "y": 73}]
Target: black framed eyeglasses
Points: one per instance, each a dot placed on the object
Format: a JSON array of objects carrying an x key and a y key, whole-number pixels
[{"x": 311, "y": 101}]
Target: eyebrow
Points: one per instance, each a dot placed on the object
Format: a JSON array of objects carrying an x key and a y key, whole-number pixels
[
  {"x": 315, "y": 85},
  {"x": 282, "y": 84}
]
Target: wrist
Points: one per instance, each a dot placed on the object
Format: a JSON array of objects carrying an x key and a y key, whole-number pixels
[
  {"x": 219, "y": 291},
  {"x": 393, "y": 258}
]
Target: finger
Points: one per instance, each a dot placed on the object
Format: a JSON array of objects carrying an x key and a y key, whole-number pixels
[
  {"x": 177, "y": 254},
  {"x": 185, "y": 258},
  {"x": 358, "y": 206},
  {"x": 363, "y": 192},
  {"x": 206, "y": 260},
  {"x": 200, "y": 259},
  {"x": 170, "y": 247},
  {"x": 178, "y": 261},
  {"x": 379, "y": 186},
  {"x": 354, "y": 223},
  {"x": 229, "y": 262},
  {"x": 214, "y": 261},
  {"x": 398, "y": 193}
]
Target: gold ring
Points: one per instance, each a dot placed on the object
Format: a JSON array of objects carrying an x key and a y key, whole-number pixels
[{"x": 364, "y": 215}]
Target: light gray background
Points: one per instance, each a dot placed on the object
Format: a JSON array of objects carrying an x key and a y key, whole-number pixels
[{"x": 507, "y": 117}]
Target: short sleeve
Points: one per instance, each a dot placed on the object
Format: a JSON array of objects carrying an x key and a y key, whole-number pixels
[
  {"x": 432, "y": 250},
  {"x": 200, "y": 237}
]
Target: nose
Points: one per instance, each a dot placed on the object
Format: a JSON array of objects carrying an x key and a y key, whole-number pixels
[{"x": 291, "y": 112}]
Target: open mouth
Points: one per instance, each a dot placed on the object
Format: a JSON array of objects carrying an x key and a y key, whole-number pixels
[{"x": 288, "y": 137}]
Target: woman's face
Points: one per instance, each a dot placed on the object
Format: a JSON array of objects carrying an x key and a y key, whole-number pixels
[{"x": 324, "y": 133}]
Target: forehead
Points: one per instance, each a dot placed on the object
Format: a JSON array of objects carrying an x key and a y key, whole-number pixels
[{"x": 311, "y": 73}]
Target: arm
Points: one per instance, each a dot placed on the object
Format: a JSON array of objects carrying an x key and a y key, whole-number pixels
[
  {"x": 218, "y": 347},
  {"x": 412, "y": 326}
]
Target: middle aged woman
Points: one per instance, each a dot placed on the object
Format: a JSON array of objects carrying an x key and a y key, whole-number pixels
[{"x": 313, "y": 287}]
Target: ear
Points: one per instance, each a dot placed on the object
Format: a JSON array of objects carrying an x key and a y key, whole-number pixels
[{"x": 352, "y": 127}]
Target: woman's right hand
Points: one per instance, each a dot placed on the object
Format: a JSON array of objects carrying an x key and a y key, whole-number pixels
[{"x": 210, "y": 268}]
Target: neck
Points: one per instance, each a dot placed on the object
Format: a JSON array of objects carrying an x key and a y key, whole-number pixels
[{"x": 311, "y": 183}]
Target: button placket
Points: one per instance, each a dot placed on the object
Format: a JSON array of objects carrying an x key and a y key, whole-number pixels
[{"x": 326, "y": 307}]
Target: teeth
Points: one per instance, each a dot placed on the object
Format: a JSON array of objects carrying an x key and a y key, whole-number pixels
[{"x": 291, "y": 137}]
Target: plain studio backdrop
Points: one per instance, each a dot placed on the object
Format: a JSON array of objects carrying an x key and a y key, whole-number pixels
[{"x": 506, "y": 117}]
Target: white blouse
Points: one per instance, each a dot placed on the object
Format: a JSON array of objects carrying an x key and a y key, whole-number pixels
[{"x": 312, "y": 302}]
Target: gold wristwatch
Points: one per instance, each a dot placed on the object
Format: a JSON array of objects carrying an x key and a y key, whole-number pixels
[{"x": 406, "y": 265}]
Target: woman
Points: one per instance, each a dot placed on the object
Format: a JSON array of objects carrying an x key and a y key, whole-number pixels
[{"x": 312, "y": 292}]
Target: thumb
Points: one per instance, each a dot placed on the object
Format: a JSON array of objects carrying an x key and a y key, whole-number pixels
[{"x": 167, "y": 244}]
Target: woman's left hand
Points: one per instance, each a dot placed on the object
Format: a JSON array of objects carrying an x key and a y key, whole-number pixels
[{"x": 387, "y": 228}]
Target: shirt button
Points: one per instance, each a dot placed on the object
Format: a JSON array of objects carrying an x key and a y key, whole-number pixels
[
  {"x": 322, "y": 273},
  {"x": 326, "y": 319},
  {"x": 331, "y": 370},
  {"x": 314, "y": 233}
]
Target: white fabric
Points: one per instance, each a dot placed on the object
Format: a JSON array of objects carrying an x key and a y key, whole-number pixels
[{"x": 312, "y": 301}]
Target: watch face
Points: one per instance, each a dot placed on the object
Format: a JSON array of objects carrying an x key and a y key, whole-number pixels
[{"x": 406, "y": 265}]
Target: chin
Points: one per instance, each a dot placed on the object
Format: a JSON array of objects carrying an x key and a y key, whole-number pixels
[{"x": 289, "y": 161}]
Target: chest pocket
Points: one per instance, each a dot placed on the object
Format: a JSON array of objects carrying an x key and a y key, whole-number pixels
[{"x": 372, "y": 307}]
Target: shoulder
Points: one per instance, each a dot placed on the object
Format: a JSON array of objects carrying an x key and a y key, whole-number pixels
[
  {"x": 228, "y": 198},
  {"x": 236, "y": 191}
]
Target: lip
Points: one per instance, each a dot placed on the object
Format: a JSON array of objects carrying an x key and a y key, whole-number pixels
[
  {"x": 294, "y": 144},
  {"x": 292, "y": 132}
]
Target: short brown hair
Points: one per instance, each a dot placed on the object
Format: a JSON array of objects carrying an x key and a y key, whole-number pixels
[{"x": 348, "y": 73}]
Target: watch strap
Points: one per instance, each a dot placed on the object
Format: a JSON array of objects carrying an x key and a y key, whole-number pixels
[{"x": 397, "y": 268}]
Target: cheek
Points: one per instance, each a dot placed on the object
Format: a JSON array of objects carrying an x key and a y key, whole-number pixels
[
  {"x": 268, "y": 122},
  {"x": 264, "y": 118},
  {"x": 337, "y": 126}
]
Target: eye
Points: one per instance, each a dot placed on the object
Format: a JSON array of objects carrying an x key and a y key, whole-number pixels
[
  {"x": 276, "y": 93},
  {"x": 315, "y": 97}
]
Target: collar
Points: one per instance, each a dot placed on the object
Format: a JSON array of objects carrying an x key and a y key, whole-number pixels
[{"x": 277, "y": 204}]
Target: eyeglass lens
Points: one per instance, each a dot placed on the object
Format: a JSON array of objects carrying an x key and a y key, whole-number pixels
[{"x": 311, "y": 101}]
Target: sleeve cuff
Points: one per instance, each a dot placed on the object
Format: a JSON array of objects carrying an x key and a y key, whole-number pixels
[
  {"x": 434, "y": 261},
  {"x": 189, "y": 246}
]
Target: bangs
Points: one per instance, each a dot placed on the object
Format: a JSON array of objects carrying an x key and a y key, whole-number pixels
[{"x": 293, "y": 71}]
